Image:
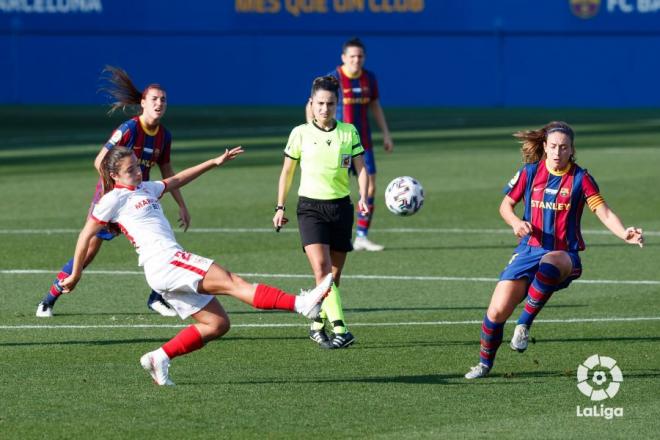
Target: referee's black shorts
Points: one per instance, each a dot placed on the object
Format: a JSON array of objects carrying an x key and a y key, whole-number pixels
[{"x": 327, "y": 222}]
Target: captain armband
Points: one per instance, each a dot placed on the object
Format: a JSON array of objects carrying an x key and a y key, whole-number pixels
[{"x": 595, "y": 201}]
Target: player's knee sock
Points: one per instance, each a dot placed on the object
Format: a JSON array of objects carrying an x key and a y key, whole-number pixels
[
  {"x": 332, "y": 306},
  {"x": 55, "y": 289},
  {"x": 364, "y": 220},
  {"x": 491, "y": 338},
  {"x": 544, "y": 285},
  {"x": 267, "y": 297},
  {"x": 189, "y": 339}
]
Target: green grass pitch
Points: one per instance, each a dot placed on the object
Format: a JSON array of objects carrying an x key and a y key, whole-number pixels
[{"x": 414, "y": 308}]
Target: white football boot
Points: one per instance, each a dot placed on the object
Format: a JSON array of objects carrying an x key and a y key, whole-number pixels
[
  {"x": 308, "y": 303},
  {"x": 44, "y": 311},
  {"x": 157, "y": 364},
  {"x": 364, "y": 244},
  {"x": 520, "y": 338},
  {"x": 479, "y": 370}
]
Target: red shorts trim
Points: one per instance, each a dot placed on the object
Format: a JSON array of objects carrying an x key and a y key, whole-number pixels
[{"x": 182, "y": 265}]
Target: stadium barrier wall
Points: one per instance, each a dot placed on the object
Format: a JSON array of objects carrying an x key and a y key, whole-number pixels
[{"x": 507, "y": 53}]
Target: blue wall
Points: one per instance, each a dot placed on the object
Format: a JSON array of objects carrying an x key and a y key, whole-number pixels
[{"x": 425, "y": 52}]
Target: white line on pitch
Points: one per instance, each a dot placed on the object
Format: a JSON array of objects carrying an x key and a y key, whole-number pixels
[
  {"x": 357, "y": 324},
  {"x": 354, "y": 277},
  {"x": 293, "y": 230}
]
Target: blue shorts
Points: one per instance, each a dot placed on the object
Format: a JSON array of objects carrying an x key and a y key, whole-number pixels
[
  {"x": 370, "y": 161},
  {"x": 107, "y": 234},
  {"x": 109, "y": 231},
  {"x": 524, "y": 263}
]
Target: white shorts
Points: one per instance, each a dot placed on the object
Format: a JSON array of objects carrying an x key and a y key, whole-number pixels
[{"x": 176, "y": 275}]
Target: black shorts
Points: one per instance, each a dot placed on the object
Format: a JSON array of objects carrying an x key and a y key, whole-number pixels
[{"x": 327, "y": 222}]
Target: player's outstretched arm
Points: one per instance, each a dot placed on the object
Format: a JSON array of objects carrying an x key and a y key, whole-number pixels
[
  {"x": 91, "y": 228},
  {"x": 189, "y": 174},
  {"x": 612, "y": 222}
]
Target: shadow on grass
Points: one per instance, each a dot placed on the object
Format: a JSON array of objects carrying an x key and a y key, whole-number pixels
[
  {"x": 504, "y": 378},
  {"x": 631, "y": 339},
  {"x": 105, "y": 342},
  {"x": 63, "y": 315},
  {"x": 153, "y": 340},
  {"x": 641, "y": 374},
  {"x": 422, "y": 309},
  {"x": 446, "y": 248},
  {"x": 483, "y": 247},
  {"x": 413, "y": 379}
]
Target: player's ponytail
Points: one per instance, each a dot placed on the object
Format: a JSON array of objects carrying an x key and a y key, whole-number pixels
[
  {"x": 532, "y": 140},
  {"x": 110, "y": 165},
  {"x": 122, "y": 91},
  {"x": 328, "y": 83}
]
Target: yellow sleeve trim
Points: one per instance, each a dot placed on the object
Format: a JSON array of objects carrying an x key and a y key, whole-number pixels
[{"x": 595, "y": 201}]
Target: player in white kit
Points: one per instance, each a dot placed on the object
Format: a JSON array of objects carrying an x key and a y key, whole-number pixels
[{"x": 187, "y": 281}]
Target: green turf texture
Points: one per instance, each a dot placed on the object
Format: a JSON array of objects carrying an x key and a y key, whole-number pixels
[{"x": 398, "y": 381}]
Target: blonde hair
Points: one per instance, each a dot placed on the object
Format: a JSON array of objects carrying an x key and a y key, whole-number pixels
[{"x": 532, "y": 140}]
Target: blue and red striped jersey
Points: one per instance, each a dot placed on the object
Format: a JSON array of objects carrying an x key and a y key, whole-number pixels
[
  {"x": 554, "y": 203},
  {"x": 355, "y": 96},
  {"x": 149, "y": 148}
]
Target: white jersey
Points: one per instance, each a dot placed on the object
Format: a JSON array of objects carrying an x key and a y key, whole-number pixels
[{"x": 140, "y": 217}]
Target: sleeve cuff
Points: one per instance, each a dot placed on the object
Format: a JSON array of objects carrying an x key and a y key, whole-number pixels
[
  {"x": 164, "y": 189},
  {"x": 99, "y": 221}
]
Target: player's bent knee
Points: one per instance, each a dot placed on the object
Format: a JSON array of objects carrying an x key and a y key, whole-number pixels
[
  {"x": 561, "y": 261},
  {"x": 557, "y": 258},
  {"x": 498, "y": 314},
  {"x": 218, "y": 328}
]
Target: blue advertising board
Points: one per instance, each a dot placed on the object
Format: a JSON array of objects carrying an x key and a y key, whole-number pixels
[{"x": 587, "y": 53}]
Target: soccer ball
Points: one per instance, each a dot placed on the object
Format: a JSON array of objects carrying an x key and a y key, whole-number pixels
[{"x": 404, "y": 196}]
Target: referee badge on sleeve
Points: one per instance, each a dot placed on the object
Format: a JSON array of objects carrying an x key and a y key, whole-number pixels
[{"x": 345, "y": 160}]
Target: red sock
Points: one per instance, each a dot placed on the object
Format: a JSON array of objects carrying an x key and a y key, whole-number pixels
[
  {"x": 267, "y": 297},
  {"x": 189, "y": 339}
]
